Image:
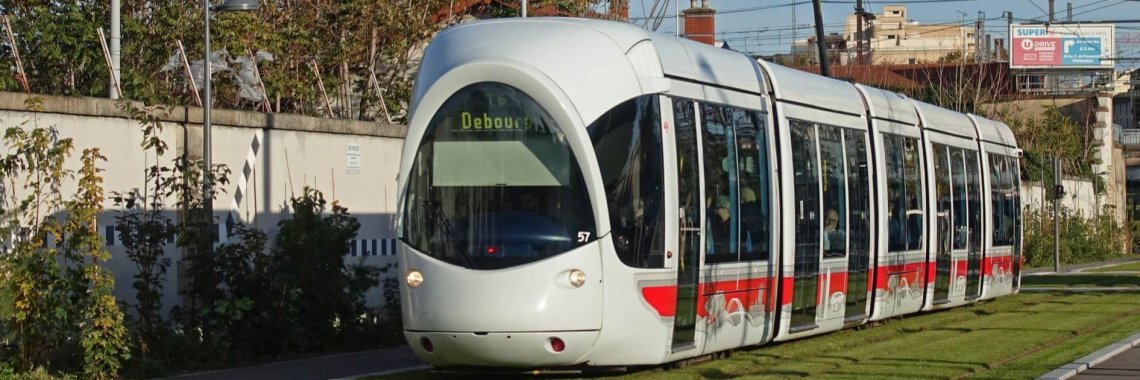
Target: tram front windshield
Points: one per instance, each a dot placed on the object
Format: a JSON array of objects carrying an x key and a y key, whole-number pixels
[{"x": 495, "y": 184}]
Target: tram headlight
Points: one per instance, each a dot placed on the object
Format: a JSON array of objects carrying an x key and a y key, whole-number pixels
[
  {"x": 577, "y": 278},
  {"x": 414, "y": 278}
]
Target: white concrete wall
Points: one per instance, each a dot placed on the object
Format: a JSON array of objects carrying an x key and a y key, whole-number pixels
[
  {"x": 292, "y": 152},
  {"x": 1079, "y": 196}
]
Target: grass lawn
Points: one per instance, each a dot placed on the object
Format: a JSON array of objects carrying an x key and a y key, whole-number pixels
[
  {"x": 1080, "y": 280},
  {"x": 1021, "y": 336},
  {"x": 1130, "y": 267}
]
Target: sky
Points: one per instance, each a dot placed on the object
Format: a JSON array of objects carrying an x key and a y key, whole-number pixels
[{"x": 766, "y": 26}]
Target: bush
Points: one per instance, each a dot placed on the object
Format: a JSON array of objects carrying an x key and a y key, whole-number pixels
[
  {"x": 325, "y": 297},
  {"x": 63, "y": 318},
  {"x": 1081, "y": 240}
]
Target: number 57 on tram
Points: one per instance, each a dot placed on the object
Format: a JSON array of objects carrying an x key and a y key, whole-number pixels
[{"x": 585, "y": 193}]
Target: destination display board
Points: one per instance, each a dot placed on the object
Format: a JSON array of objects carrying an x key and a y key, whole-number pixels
[{"x": 1061, "y": 46}]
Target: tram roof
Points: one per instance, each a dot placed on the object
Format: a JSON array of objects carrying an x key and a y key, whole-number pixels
[
  {"x": 700, "y": 62},
  {"x": 586, "y": 60},
  {"x": 890, "y": 105},
  {"x": 943, "y": 120},
  {"x": 995, "y": 131},
  {"x": 806, "y": 88}
]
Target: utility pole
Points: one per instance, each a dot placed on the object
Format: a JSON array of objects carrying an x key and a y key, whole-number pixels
[
  {"x": 1009, "y": 38},
  {"x": 1057, "y": 194},
  {"x": 821, "y": 45},
  {"x": 1068, "y": 12},
  {"x": 859, "y": 31},
  {"x": 524, "y": 7},
  {"x": 979, "y": 27}
]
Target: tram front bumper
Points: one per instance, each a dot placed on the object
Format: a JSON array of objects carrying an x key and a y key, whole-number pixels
[{"x": 502, "y": 349}]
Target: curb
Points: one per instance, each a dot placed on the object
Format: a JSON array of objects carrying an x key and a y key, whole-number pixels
[
  {"x": 1080, "y": 365},
  {"x": 388, "y": 372}
]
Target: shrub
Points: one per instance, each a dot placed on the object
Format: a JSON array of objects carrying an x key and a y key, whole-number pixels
[{"x": 1081, "y": 239}]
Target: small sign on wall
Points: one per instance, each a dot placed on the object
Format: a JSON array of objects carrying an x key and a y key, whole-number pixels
[{"x": 352, "y": 158}]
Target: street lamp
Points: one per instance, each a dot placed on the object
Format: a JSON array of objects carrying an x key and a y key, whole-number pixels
[{"x": 207, "y": 184}]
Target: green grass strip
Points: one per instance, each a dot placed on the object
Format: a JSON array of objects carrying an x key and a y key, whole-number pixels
[
  {"x": 1081, "y": 281},
  {"x": 1129, "y": 267}
]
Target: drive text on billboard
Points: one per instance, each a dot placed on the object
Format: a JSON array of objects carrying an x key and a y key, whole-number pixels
[{"x": 1061, "y": 46}]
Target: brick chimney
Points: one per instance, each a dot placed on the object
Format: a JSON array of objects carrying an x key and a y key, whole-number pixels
[{"x": 700, "y": 23}]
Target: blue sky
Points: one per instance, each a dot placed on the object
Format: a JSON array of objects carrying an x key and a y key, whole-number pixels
[{"x": 750, "y": 28}]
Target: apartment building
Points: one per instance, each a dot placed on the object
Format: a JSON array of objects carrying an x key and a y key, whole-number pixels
[{"x": 891, "y": 39}]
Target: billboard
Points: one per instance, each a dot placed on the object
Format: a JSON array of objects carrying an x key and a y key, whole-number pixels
[{"x": 1061, "y": 46}]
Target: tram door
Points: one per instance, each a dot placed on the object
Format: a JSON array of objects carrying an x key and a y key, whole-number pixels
[
  {"x": 805, "y": 164},
  {"x": 688, "y": 197},
  {"x": 944, "y": 196}
]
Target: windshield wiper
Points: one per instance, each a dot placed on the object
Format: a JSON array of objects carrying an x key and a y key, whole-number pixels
[{"x": 449, "y": 233}]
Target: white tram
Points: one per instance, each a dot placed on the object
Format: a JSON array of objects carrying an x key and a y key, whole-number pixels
[{"x": 585, "y": 193}]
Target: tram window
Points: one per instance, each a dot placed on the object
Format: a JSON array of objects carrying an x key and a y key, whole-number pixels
[
  {"x": 958, "y": 180},
  {"x": 904, "y": 193},
  {"x": 1012, "y": 207},
  {"x": 973, "y": 201},
  {"x": 1015, "y": 202},
  {"x": 833, "y": 179},
  {"x": 913, "y": 168},
  {"x": 723, "y": 216},
  {"x": 944, "y": 197},
  {"x": 859, "y": 192},
  {"x": 627, "y": 143},
  {"x": 806, "y": 190},
  {"x": 896, "y": 209},
  {"x": 996, "y": 201},
  {"x": 1001, "y": 188},
  {"x": 805, "y": 209},
  {"x": 752, "y": 154},
  {"x": 494, "y": 183}
]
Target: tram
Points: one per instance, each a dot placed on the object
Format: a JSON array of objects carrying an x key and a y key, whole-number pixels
[{"x": 583, "y": 193}]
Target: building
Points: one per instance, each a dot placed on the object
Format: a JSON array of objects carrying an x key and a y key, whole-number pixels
[
  {"x": 805, "y": 52},
  {"x": 891, "y": 39}
]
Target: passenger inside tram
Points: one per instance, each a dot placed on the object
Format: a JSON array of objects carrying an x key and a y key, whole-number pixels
[
  {"x": 752, "y": 222},
  {"x": 896, "y": 228},
  {"x": 718, "y": 237},
  {"x": 834, "y": 239}
]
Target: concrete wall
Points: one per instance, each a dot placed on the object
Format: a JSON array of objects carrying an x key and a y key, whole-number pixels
[
  {"x": 1080, "y": 196},
  {"x": 272, "y": 158}
]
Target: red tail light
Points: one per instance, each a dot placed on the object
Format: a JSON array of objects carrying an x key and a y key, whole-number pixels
[
  {"x": 491, "y": 250},
  {"x": 557, "y": 344},
  {"x": 426, "y": 343}
]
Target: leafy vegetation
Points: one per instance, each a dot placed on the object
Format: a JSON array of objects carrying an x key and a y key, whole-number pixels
[
  {"x": 345, "y": 41},
  {"x": 247, "y": 301},
  {"x": 1082, "y": 239},
  {"x": 63, "y": 318}
]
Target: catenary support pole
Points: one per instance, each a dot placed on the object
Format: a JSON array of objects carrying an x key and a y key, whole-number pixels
[{"x": 821, "y": 45}]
